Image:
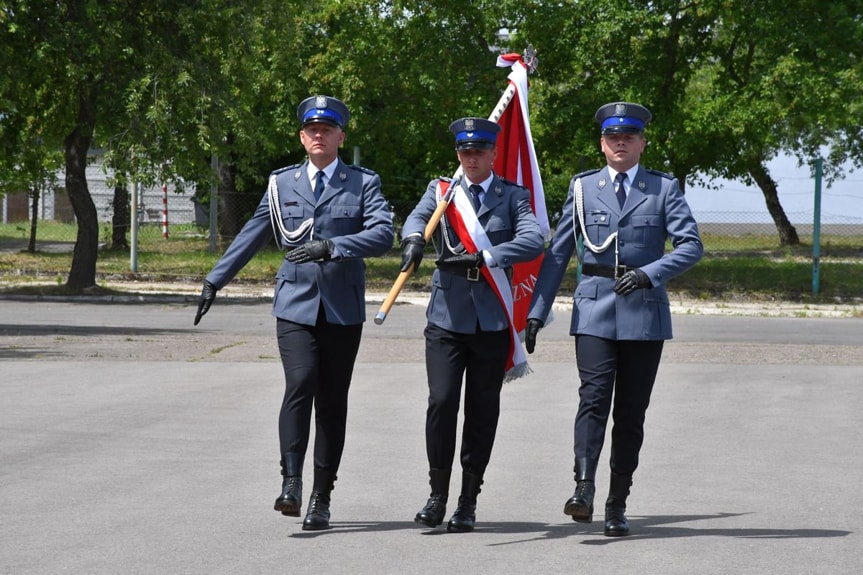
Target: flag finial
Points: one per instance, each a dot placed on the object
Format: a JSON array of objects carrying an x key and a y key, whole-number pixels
[{"x": 530, "y": 59}]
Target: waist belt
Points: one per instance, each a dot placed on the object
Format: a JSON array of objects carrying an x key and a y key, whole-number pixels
[
  {"x": 604, "y": 271},
  {"x": 473, "y": 274}
]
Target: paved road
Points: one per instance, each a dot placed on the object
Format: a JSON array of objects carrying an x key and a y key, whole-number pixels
[{"x": 133, "y": 442}]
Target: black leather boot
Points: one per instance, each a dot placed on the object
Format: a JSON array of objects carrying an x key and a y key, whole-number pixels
[
  {"x": 616, "y": 524},
  {"x": 318, "y": 514},
  {"x": 464, "y": 518},
  {"x": 580, "y": 505},
  {"x": 290, "y": 502},
  {"x": 432, "y": 514}
]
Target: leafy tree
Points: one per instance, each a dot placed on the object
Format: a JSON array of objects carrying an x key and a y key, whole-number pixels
[
  {"x": 71, "y": 58},
  {"x": 29, "y": 157},
  {"x": 406, "y": 69},
  {"x": 731, "y": 84},
  {"x": 785, "y": 76}
]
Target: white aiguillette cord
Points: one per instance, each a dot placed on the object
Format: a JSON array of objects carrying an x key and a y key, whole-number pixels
[
  {"x": 579, "y": 210},
  {"x": 279, "y": 229}
]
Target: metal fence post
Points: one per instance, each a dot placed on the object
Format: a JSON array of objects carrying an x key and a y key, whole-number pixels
[
  {"x": 816, "y": 231},
  {"x": 133, "y": 243}
]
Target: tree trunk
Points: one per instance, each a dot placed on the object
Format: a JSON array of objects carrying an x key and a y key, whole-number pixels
[
  {"x": 77, "y": 143},
  {"x": 34, "y": 217},
  {"x": 231, "y": 219},
  {"x": 120, "y": 219},
  {"x": 787, "y": 234}
]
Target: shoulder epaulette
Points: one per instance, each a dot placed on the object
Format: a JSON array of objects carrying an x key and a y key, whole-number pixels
[
  {"x": 658, "y": 173},
  {"x": 585, "y": 173},
  {"x": 285, "y": 169},
  {"x": 445, "y": 179},
  {"x": 362, "y": 169},
  {"x": 511, "y": 183}
]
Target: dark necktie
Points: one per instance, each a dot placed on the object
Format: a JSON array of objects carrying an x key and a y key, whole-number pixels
[
  {"x": 319, "y": 185},
  {"x": 475, "y": 191},
  {"x": 621, "y": 191}
]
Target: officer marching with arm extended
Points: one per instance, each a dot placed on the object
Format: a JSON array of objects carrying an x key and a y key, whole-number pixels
[
  {"x": 469, "y": 333},
  {"x": 621, "y": 315},
  {"x": 329, "y": 216}
]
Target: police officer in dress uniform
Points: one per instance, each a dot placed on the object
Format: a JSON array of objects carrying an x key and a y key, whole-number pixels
[
  {"x": 328, "y": 216},
  {"x": 621, "y": 315},
  {"x": 467, "y": 333}
]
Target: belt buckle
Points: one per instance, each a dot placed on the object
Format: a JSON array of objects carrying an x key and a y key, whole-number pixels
[{"x": 473, "y": 274}]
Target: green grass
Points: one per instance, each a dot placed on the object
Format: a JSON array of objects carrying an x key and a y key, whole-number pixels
[{"x": 733, "y": 267}]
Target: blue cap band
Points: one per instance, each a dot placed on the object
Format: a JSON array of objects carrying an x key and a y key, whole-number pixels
[
  {"x": 627, "y": 121},
  {"x": 475, "y": 135},
  {"x": 318, "y": 113}
]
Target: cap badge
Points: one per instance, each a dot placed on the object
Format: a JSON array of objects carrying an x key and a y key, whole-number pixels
[
  {"x": 468, "y": 125},
  {"x": 320, "y": 101},
  {"x": 620, "y": 110}
]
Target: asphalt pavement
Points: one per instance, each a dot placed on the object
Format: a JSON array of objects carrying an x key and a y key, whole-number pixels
[{"x": 134, "y": 442}]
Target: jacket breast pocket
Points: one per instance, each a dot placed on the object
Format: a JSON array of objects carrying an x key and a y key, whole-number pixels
[
  {"x": 597, "y": 224},
  {"x": 347, "y": 219},
  {"x": 498, "y": 229},
  {"x": 648, "y": 230},
  {"x": 294, "y": 216}
]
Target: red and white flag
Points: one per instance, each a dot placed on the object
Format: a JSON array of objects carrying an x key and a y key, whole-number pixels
[{"x": 516, "y": 161}]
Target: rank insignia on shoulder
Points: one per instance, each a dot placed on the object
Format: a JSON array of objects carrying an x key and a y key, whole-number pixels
[
  {"x": 662, "y": 174},
  {"x": 285, "y": 169},
  {"x": 362, "y": 169}
]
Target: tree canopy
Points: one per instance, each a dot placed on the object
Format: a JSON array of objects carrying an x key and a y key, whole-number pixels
[{"x": 162, "y": 87}]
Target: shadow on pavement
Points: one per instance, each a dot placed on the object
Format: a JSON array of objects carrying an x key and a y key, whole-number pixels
[
  {"x": 86, "y": 330},
  {"x": 653, "y": 527}
]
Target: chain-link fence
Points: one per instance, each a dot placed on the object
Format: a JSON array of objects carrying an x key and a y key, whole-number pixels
[{"x": 162, "y": 210}]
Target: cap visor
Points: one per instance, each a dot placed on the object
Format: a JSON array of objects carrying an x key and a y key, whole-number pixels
[
  {"x": 622, "y": 130},
  {"x": 321, "y": 121},
  {"x": 474, "y": 146}
]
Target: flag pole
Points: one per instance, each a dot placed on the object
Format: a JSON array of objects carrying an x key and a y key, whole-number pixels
[{"x": 496, "y": 114}]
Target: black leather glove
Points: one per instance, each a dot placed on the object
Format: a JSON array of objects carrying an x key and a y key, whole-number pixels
[
  {"x": 315, "y": 250},
  {"x": 412, "y": 252},
  {"x": 631, "y": 281},
  {"x": 533, "y": 326},
  {"x": 461, "y": 261},
  {"x": 208, "y": 295}
]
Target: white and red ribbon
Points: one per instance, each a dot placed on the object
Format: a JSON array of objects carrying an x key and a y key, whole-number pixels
[
  {"x": 516, "y": 161},
  {"x": 462, "y": 218}
]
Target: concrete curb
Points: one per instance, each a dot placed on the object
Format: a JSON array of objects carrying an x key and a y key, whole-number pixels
[{"x": 154, "y": 292}]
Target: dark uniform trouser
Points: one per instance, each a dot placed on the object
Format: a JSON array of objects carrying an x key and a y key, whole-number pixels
[
  {"x": 318, "y": 361},
  {"x": 481, "y": 358},
  {"x": 628, "y": 368}
]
